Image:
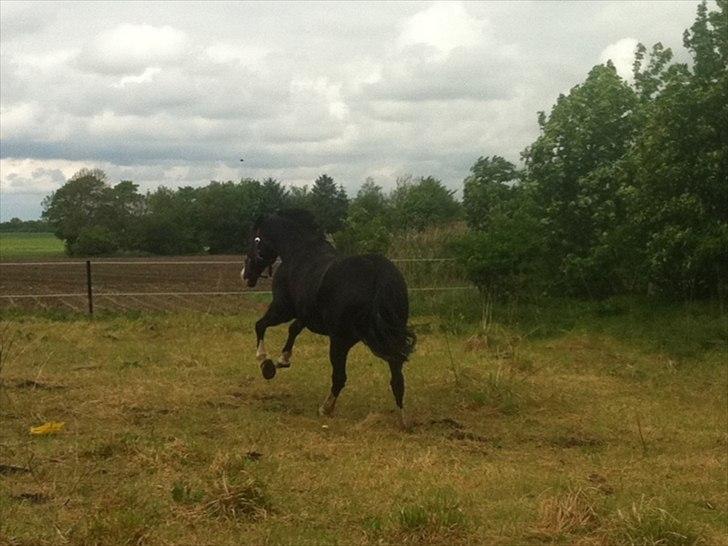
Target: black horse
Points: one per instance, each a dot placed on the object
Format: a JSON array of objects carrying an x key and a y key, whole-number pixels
[{"x": 350, "y": 299}]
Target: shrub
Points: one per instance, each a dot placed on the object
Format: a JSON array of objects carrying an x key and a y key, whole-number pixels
[
  {"x": 363, "y": 234},
  {"x": 94, "y": 241}
]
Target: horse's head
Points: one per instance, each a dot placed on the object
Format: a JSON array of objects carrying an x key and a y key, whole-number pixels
[{"x": 260, "y": 256}]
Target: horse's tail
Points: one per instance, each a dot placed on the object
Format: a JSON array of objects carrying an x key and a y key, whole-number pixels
[{"x": 387, "y": 333}]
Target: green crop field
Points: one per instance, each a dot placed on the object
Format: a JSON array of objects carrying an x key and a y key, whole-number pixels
[
  {"x": 17, "y": 246},
  {"x": 584, "y": 424}
]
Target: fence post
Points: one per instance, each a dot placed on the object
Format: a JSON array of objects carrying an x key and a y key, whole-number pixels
[{"x": 88, "y": 287}]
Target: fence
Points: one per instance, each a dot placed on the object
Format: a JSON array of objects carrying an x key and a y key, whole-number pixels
[{"x": 166, "y": 284}]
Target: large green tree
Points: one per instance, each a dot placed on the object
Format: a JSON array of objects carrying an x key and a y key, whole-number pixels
[
  {"x": 421, "y": 203},
  {"x": 273, "y": 196},
  {"x": 126, "y": 209},
  {"x": 365, "y": 229},
  {"x": 501, "y": 251},
  {"x": 299, "y": 197},
  {"x": 626, "y": 188},
  {"x": 371, "y": 199},
  {"x": 169, "y": 227},
  {"x": 329, "y": 203},
  {"x": 226, "y": 210},
  {"x": 573, "y": 167},
  {"x": 93, "y": 217},
  {"x": 81, "y": 202},
  {"x": 489, "y": 187},
  {"x": 678, "y": 190}
]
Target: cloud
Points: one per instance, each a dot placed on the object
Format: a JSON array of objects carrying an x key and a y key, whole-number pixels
[
  {"x": 477, "y": 74},
  {"x": 443, "y": 26},
  {"x": 144, "y": 77},
  {"x": 621, "y": 53},
  {"x": 27, "y": 178},
  {"x": 20, "y": 21},
  {"x": 444, "y": 53},
  {"x": 30, "y": 121},
  {"x": 231, "y": 54},
  {"x": 163, "y": 95},
  {"x": 131, "y": 49}
]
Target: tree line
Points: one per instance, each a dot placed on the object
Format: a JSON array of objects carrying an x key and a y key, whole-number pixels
[
  {"x": 94, "y": 218},
  {"x": 625, "y": 190},
  {"x": 16, "y": 225}
]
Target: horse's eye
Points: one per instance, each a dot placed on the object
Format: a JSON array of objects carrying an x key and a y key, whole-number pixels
[{"x": 257, "y": 240}]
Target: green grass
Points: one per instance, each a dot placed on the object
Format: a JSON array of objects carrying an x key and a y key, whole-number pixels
[
  {"x": 15, "y": 246},
  {"x": 589, "y": 431}
]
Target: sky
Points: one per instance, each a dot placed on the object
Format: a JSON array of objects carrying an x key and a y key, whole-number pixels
[{"x": 176, "y": 93}]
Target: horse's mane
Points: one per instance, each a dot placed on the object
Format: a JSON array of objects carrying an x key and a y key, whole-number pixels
[{"x": 303, "y": 218}]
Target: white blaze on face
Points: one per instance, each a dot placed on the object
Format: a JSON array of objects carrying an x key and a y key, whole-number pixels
[{"x": 242, "y": 274}]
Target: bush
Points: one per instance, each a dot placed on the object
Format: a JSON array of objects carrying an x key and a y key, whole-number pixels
[
  {"x": 422, "y": 203},
  {"x": 363, "y": 234},
  {"x": 501, "y": 258},
  {"x": 94, "y": 241}
]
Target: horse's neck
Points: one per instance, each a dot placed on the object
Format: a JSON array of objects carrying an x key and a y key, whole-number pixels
[
  {"x": 306, "y": 250},
  {"x": 296, "y": 246}
]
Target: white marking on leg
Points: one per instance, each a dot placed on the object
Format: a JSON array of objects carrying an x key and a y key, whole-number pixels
[
  {"x": 327, "y": 408},
  {"x": 242, "y": 274},
  {"x": 261, "y": 355},
  {"x": 285, "y": 358}
]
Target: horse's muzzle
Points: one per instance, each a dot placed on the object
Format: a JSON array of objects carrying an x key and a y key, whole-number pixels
[{"x": 249, "y": 281}]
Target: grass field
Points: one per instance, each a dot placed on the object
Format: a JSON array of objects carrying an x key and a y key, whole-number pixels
[
  {"x": 606, "y": 427},
  {"x": 15, "y": 246}
]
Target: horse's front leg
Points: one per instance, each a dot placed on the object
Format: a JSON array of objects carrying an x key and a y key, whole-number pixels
[
  {"x": 293, "y": 330},
  {"x": 338, "y": 351},
  {"x": 273, "y": 316}
]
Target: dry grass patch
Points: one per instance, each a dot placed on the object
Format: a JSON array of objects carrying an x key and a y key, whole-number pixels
[
  {"x": 572, "y": 513},
  {"x": 246, "y": 498},
  {"x": 579, "y": 516},
  {"x": 645, "y": 524}
]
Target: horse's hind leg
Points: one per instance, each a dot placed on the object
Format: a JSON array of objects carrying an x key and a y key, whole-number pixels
[
  {"x": 397, "y": 384},
  {"x": 293, "y": 330},
  {"x": 338, "y": 351}
]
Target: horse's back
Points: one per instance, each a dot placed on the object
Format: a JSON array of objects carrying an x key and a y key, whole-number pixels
[
  {"x": 357, "y": 288},
  {"x": 358, "y": 276}
]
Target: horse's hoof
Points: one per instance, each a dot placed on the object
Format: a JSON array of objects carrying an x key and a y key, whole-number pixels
[
  {"x": 327, "y": 408},
  {"x": 404, "y": 424},
  {"x": 281, "y": 364},
  {"x": 268, "y": 368}
]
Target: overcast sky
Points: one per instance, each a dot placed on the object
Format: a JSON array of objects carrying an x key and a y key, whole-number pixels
[{"x": 176, "y": 93}]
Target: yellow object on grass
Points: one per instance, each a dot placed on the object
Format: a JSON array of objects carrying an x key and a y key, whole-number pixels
[{"x": 50, "y": 427}]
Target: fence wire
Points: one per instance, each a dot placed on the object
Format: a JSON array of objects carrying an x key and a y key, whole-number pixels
[{"x": 153, "y": 285}]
